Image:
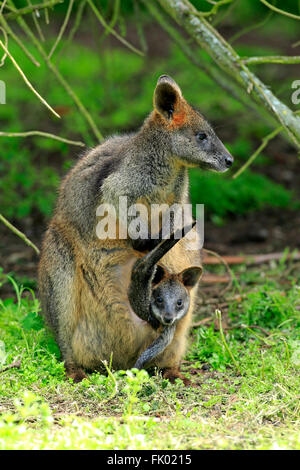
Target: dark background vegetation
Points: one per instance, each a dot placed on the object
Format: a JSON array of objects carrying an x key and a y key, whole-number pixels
[{"x": 257, "y": 212}]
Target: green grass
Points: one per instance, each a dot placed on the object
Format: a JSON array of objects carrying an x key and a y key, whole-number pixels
[{"x": 248, "y": 399}]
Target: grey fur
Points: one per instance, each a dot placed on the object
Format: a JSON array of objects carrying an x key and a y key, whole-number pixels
[
  {"x": 158, "y": 346},
  {"x": 79, "y": 275},
  {"x": 150, "y": 282}
]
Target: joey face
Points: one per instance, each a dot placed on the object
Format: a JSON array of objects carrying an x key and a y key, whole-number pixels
[
  {"x": 170, "y": 299},
  {"x": 192, "y": 140},
  {"x": 170, "y": 302}
]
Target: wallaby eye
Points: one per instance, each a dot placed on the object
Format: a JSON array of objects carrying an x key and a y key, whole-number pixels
[
  {"x": 179, "y": 302},
  {"x": 159, "y": 300},
  {"x": 201, "y": 136}
]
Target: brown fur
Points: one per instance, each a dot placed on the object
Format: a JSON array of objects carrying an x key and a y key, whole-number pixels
[{"x": 83, "y": 280}]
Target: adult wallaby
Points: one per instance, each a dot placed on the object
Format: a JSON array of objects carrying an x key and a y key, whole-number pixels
[
  {"x": 84, "y": 279},
  {"x": 159, "y": 297}
]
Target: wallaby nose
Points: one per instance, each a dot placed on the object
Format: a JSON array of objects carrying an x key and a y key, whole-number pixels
[
  {"x": 228, "y": 161},
  {"x": 168, "y": 319}
]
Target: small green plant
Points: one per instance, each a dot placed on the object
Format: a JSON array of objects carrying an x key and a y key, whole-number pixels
[
  {"x": 268, "y": 307},
  {"x": 134, "y": 380}
]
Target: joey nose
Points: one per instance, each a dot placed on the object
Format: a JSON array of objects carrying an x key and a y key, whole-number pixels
[
  {"x": 228, "y": 161},
  {"x": 168, "y": 319}
]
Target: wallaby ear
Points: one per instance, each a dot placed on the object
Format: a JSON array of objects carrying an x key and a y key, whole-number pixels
[
  {"x": 167, "y": 96},
  {"x": 191, "y": 276},
  {"x": 160, "y": 273}
]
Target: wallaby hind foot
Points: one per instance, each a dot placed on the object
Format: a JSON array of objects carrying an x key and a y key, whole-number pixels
[
  {"x": 75, "y": 373},
  {"x": 173, "y": 373}
]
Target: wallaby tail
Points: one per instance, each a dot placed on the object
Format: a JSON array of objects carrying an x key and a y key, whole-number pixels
[
  {"x": 147, "y": 263},
  {"x": 158, "y": 346}
]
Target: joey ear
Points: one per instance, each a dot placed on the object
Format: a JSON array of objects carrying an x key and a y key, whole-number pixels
[
  {"x": 160, "y": 273},
  {"x": 191, "y": 276},
  {"x": 167, "y": 96}
]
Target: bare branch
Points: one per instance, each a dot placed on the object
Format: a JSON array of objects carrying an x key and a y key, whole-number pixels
[
  {"x": 75, "y": 27},
  {"x": 9, "y": 31},
  {"x": 282, "y": 12},
  {"x": 215, "y": 8},
  {"x": 41, "y": 134},
  {"x": 36, "y": 23},
  {"x": 112, "y": 31},
  {"x": 19, "y": 234},
  {"x": 264, "y": 143},
  {"x": 279, "y": 59},
  {"x": 251, "y": 27},
  {"x": 24, "y": 11},
  {"x": 252, "y": 259},
  {"x": 46, "y": 15},
  {"x": 62, "y": 29},
  {"x": 60, "y": 78},
  {"x": 13, "y": 365},
  {"x": 27, "y": 81},
  {"x": 6, "y": 43},
  {"x": 223, "y": 261},
  {"x": 114, "y": 18}
]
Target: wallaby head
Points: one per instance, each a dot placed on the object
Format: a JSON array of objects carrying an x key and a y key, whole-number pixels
[
  {"x": 170, "y": 299},
  {"x": 192, "y": 141}
]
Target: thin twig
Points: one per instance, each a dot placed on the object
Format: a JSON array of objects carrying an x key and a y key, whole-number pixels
[
  {"x": 264, "y": 143},
  {"x": 245, "y": 327},
  {"x": 282, "y": 12},
  {"x": 36, "y": 23},
  {"x": 27, "y": 81},
  {"x": 215, "y": 8},
  {"x": 113, "y": 21},
  {"x": 271, "y": 60},
  {"x": 15, "y": 364},
  {"x": 46, "y": 15},
  {"x": 223, "y": 261},
  {"x": 18, "y": 41},
  {"x": 140, "y": 25},
  {"x": 247, "y": 29},
  {"x": 202, "y": 322},
  {"x": 19, "y": 234},
  {"x": 2, "y": 6},
  {"x": 254, "y": 259},
  {"x": 60, "y": 78},
  {"x": 75, "y": 27},
  {"x": 6, "y": 43},
  {"x": 62, "y": 29},
  {"x": 29, "y": 9},
  {"x": 112, "y": 31},
  {"x": 41, "y": 134}
]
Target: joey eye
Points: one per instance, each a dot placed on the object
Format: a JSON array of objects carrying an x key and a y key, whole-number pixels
[
  {"x": 179, "y": 302},
  {"x": 201, "y": 136},
  {"x": 159, "y": 300}
]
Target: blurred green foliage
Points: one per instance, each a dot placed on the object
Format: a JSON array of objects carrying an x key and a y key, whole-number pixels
[{"x": 116, "y": 86}]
